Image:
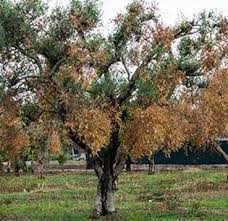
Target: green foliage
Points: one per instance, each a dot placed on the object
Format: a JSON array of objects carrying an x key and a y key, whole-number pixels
[
  {"x": 87, "y": 13},
  {"x": 3, "y": 157},
  {"x": 52, "y": 44},
  {"x": 61, "y": 158},
  {"x": 185, "y": 47},
  {"x": 146, "y": 89},
  {"x": 17, "y": 24},
  {"x": 185, "y": 26},
  {"x": 51, "y": 49},
  {"x": 24, "y": 24},
  {"x": 107, "y": 86},
  {"x": 95, "y": 42},
  {"x": 19, "y": 164},
  {"x": 60, "y": 28},
  {"x": 189, "y": 65},
  {"x": 104, "y": 87},
  {"x": 131, "y": 26},
  {"x": 30, "y": 112},
  {"x": 187, "y": 61},
  {"x": 126, "y": 115}
]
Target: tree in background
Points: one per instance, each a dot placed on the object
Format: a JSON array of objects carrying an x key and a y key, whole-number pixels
[
  {"x": 42, "y": 139},
  {"x": 137, "y": 90},
  {"x": 13, "y": 138}
]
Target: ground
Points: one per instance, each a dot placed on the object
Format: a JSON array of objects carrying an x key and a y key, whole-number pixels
[{"x": 165, "y": 196}]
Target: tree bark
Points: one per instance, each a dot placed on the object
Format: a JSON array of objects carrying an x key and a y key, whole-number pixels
[
  {"x": 105, "y": 191},
  {"x": 221, "y": 151},
  {"x": 107, "y": 177},
  {"x": 128, "y": 163},
  {"x": 89, "y": 161},
  {"x": 151, "y": 165},
  {"x": 32, "y": 162},
  {"x": 105, "y": 195},
  {"x": 8, "y": 167}
]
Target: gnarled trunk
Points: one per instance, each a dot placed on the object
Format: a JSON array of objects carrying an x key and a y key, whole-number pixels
[
  {"x": 105, "y": 195},
  {"x": 107, "y": 172}
]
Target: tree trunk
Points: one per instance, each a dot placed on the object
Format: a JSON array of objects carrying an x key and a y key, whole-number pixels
[
  {"x": 41, "y": 158},
  {"x": 89, "y": 161},
  {"x": 8, "y": 167},
  {"x": 32, "y": 162},
  {"x": 107, "y": 173},
  {"x": 16, "y": 167},
  {"x": 105, "y": 196},
  {"x": 128, "y": 163},
  {"x": 151, "y": 165},
  {"x": 107, "y": 178}
]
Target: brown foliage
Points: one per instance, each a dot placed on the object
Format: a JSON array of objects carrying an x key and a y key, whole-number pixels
[
  {"x": 13, "y": 138},
  {"x": 92, "y": 125},
  {"x": 153, "y": 129},
  {"x": 55, "y": 143},
  {"x": 211, "y": 115}
]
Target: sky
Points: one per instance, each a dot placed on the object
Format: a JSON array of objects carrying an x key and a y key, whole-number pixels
[{"x": 170, "y": 10}]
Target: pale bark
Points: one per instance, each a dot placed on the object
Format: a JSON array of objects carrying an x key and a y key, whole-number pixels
[
  {"x": 105, "y": 196},
  {"x": 221, "y": 151},
  {"x": 8, "y": 167},
  {"x": 99, "y": 199}
]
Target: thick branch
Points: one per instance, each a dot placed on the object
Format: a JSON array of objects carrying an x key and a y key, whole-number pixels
[
  {"x": 56, "y": 67},
  {"x": 33, "y": 57},
  {"x": 127, "y": 93},
  {"x": 221, "y": 151},
  {"x": 126, "y": 68},
  {"x": 179, "y": 32},
  {"x": 98, "y": 167},
  {"x": 104, "y": 69},
  {"x": 77, "y": 140},
  {"x": 120, "y": 165},
  {"x": 132, "y": 83}
]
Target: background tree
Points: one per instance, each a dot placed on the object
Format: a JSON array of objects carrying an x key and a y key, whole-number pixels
[
  {"x": 13, "y": 138},
  {"x": 134, "y": 91},
  {"x": 42, "y": 139}
]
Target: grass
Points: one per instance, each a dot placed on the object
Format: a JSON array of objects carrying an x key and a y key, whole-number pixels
[{"x": 165, "y": 196}]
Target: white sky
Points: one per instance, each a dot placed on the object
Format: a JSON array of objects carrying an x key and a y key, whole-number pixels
[{"x": 170, "y": 10}]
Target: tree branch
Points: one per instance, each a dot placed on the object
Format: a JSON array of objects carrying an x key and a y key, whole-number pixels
[
  {"x": 33, "y": 57},
  {"x": 97, "y": 167},
  {"x": 56, "y": 66},
  {"x": 221, "y": 151},
  {"x": 132, "y": 83},
  {"x": 125, "y": 67},
  {"x": 73, "y": 136},
  {"x": 120, "y": 165}
]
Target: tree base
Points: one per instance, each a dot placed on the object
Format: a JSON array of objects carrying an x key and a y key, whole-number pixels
[
  {"x": 41, "y": 176},
  {"x": 114, "y": 216},
  {"x": 151, "y": 172}
]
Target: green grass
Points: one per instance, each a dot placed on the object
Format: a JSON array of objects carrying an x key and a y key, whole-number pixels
[{"x": 165, "y": 196}]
